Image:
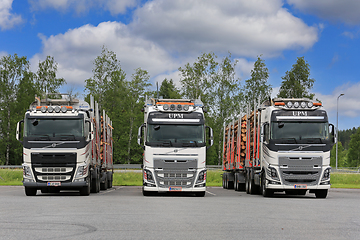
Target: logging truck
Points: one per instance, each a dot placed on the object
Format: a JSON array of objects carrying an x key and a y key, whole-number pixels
[
  {"x": 174, "y": 143},
  {"x": 282, "y": 145},
  {"x": 67, "y": 145}
]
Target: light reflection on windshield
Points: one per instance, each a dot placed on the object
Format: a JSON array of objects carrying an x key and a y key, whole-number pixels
[
  {"x": 299, "y": 130},
  {"x": 54, "y": 127},
  {"x": 176, "y": 133}
]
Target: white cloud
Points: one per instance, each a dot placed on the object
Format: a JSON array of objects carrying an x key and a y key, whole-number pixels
[
  {"x": 245, "y": 28},
  {"x": 7, "y": 19},
  {"x": 76, "y": 50},
  {"x": 81, "y": 6},
  {"x": 345, "y": 10},
  {"x": 348, "y": 104},
  {"x": 167, "y": 34}
]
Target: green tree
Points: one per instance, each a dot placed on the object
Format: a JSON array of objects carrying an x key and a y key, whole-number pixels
[
  {"x": 256, "y": 88},
  {"x": 341, "y": 156},
  {"x": 353, "y": 156},
  {"x": 196, "y": 79},
  {"x": 168, "y": 90},
  {"x": 106, "y": 69},
  {"x": 297, "y": 82},
  {"x": 223, "y": 103},
  {"x": 16, "y": 93},
  {"x": 219, "y": 89},
  {"x": 46, "y": 79}
]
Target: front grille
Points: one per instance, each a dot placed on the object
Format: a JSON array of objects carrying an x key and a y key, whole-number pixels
[
  {"x": 53, "y": 166},
  {"x": 300, "y": 170},
  {"x": 171, "y": 172}
]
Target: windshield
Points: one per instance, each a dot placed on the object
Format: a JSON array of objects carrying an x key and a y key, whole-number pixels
[
  {"x": 175, "y": 134},
  {"x": 304, "y": 132},
  {"x": 54, "y": 128}
]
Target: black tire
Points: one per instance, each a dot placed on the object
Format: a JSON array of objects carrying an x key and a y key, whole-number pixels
[
  {"x": 200, "y": 194},
  {"x": 110, "y": 180},
  {"x": 104, "y": 185},
  {"x": 264, "y": 191},
  {"x": 85, "y": 191},
  {"x": 223, "y": 180},
  {"x": 236, "y": 184},
  {"x": 147, "y": 193},
  {"x": 321, "y": 193},
  {"x": 30, "y": 191},
  {"x": 247, "y": 183}
]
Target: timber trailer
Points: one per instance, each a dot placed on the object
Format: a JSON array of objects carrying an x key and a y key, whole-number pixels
[
  {"x": 67, "y": 145},
  {"x": 283, "y": 145},
  {"x": 173, "y": 137}
]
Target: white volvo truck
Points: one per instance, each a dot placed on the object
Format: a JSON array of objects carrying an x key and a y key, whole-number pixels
[
  {"x": 283, "y": 145},
  {"x": 67, "y": 145},
  {"x": 173, "y": 137}
]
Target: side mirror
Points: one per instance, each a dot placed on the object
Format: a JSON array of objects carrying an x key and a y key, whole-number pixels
[
  {"x": 90, "y": 129},
  {"x": 211, "y": 137},
  {"x": 140, "y": 133},
  {"x": 333, "y": 134},
  {"x": 18, "y": 130}
]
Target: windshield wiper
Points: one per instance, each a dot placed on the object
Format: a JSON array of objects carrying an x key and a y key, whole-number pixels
[
  {"x": 41, "y": 136},
  {"x": 294, "y": 139},
  {"x": 167, "y": 143},
  {"x": 190, "y": 143},
  {"x": 313, "y": 139},
  {"x": 66, "y": 136}
]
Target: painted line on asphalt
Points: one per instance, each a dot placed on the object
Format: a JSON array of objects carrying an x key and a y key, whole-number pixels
[{"x": 211, "y": 193}]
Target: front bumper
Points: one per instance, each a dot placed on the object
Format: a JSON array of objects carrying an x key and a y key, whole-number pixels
[
  {"x": 174, "y": 189},
  {"x": 66, "y": 185}
]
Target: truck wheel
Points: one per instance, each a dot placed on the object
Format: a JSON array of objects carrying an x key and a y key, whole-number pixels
[
  {"x": 322, "y": 193},
  {"x": 147, "y": 193},
  {"x": 265, "y": 192},
  {"x": 104, "y": 185},
  {"x": 236, "y": 184},
  {"x": 200, "y": 194},
  {"x": 247, "y": 183},
  {"x": 110, "y": 180},
  {"x": 30, "y": 191},
  {"x": 85, "y": 191}
]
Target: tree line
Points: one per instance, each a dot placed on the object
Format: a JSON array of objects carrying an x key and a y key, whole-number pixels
[{"x": 208, "y": 78}]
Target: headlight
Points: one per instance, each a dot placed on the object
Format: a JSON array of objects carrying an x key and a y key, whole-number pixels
[
  {"x": 303, "y": 104},
  {"x": 57, "y": 109},
  {"x": 289, "y": 104},
  {"x": 186, "y": 107},
  {"x": 296, "y": 104},
  {"x": 81, "y": 171},
  {"x": 43, "y": 109},
  {"x": 310, "y": 104},
  {"x": 50, "y": 109},
  {"x": 63, "y": 109},
  {"x": 201, "y": 177},
  {"x": 166, "y": 107},
  {"x": 326, "y": 175},
  {"x": 271, "y": 172},
  {"x": 27, "y": 173},
  {"x": 148, "y": 176}
]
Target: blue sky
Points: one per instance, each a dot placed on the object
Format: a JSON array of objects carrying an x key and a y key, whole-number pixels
[{"x": 160, "y": 36}]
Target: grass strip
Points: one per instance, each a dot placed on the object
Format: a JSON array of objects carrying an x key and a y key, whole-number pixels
[{"x": 13, "y": 177}]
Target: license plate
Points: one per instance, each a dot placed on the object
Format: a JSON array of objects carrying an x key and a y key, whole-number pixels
[
  {"x": 300, "y": 186},
  {"x": 54, "y": 184},
  {"x": 175, "y": 189}
]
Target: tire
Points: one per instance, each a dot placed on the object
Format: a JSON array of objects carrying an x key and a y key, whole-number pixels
[
  {"x": 30, "y": 191},
  {"x": 104, "y": 185},
  {"x": 110, "y": 180},
  {"x": 321, "y": 193},
  {"x": 85, "y": 191},
  {"x": 247, "y": 183},
  {"x": 264, "y": 191},
  {"x": 223, "y": 180},
  {"x": 147, "y": 193},
  {"x": 236, "y": 184},
  {"x": 200, "y": 194}
]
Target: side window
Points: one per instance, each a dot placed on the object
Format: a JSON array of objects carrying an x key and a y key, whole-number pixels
[{"x": 266, "y": 133}]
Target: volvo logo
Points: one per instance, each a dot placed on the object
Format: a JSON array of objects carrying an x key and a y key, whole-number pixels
[{"x": 54, "y": 145}]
